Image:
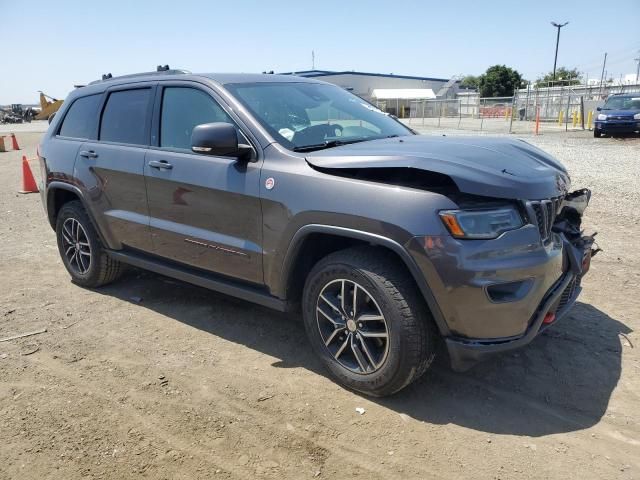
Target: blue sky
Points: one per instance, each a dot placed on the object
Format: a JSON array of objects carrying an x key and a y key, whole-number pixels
[{"x": 73, "y": 42}]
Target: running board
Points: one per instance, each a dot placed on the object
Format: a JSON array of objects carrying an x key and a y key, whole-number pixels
[{"x": 202, "y": 279}]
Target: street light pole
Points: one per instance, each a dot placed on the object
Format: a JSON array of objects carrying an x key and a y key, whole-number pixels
[{"x": 555, "y": 61}]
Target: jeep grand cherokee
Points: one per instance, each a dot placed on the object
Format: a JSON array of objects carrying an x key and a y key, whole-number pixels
[{"x": 295, "y": 194}]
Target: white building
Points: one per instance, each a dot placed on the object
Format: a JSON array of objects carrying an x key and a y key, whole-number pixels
[{"x": 390, "y": 92}]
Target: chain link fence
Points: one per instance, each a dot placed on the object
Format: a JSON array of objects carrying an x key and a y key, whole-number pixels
[{"x": 555, "y": 109}]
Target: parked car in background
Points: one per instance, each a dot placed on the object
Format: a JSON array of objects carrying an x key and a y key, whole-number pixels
[{"x": 619, "y": 114}]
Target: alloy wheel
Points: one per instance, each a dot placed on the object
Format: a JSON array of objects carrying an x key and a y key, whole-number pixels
[
  {"x": 75, "y": 245},
  {"x": 352, "y": 326}
]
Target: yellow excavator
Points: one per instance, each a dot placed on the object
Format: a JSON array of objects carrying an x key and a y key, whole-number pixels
[{"x": 48, "y": 106}]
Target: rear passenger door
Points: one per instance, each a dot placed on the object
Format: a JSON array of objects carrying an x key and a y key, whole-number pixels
[
  {"x": 204, "y": 210},
  {"x": 78, "y": 125},
  {"x": 112, "y": 168}
]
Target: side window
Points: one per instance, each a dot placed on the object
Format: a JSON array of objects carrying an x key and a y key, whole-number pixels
[
  {"x": 80, "y": 120},
  {"x": 182, "y": 109},
  {"x": 124, "y": 117}
]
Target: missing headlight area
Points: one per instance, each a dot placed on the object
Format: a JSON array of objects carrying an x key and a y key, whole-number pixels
[{"x": 569, "y": 221}]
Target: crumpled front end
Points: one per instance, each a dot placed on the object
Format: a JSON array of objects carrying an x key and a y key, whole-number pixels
[{"x": 498, "y": 294}]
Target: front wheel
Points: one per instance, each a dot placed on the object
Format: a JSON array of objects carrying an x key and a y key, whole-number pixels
[
  {"x": 366, "y": 320},
  {"x": 597, "y": 133}
]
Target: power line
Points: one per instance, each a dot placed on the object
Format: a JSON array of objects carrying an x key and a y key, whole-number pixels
[{"x": 627, "y": 52}]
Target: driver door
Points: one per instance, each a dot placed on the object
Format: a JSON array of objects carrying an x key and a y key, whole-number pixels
[{"x": 204, "y": 210}]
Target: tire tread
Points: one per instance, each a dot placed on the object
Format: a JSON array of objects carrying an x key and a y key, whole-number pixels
[
  {"x": 383, "y": 268},
  {"x": 108, "y": 269}
]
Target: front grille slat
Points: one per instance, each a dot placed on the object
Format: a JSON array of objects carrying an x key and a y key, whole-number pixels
[{"x": 543, "y": 214}]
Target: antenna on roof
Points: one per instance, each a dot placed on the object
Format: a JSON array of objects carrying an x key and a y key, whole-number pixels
[{"x": 161, "y": 68}]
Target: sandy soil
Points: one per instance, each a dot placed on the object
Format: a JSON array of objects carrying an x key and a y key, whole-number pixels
[{"x": 152, "y": 378}]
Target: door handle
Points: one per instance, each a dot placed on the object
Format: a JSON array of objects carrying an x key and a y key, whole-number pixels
[
  {"x": 160, "y": 164},
  {"x": 88, "y": 154}
]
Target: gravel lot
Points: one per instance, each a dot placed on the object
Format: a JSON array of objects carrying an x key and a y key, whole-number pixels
[{"x": 152, "y": 378}]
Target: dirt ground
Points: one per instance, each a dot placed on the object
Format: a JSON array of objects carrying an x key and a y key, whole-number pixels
[{"x": 153, "y": 378}]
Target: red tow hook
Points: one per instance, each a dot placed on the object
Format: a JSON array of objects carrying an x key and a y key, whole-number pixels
[{"x": 549, "y": 318}]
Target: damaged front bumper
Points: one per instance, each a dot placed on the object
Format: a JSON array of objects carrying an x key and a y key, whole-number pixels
[
  {"x": 553, "y": 270},
  {"x": 464, "y": 352}
]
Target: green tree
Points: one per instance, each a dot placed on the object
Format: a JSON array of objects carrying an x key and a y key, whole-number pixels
[
  {"x": 564, "y": 76},
  {"x": 499, "y": 81},
  {"x": 469, "y": 81}
]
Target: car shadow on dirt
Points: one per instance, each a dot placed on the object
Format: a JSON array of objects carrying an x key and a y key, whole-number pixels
[{"x": 561, "y": 382}]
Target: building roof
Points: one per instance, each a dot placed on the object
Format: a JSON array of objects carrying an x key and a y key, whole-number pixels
[
  {"x": 402, "y": 93},
  {"x": 328, "y": 73},
  {"x": 226, "y": 78}
]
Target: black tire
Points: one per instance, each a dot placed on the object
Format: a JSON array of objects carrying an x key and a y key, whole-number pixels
[
  {"x": 597, "y": 133},
  {"x": 91, "y": 267},
  {"x": 410, "y": 346}
]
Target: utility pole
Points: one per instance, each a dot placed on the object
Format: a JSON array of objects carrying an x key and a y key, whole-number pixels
[
  {"x": 313, "y": 60},
  {"x": 604, "y": 64},
  {"x": 637, "y": 69},
  {"x": 555, "y": 60}
]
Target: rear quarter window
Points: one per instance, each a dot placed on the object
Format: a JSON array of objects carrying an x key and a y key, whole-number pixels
[
  {"x": 80, "y": 120},
  {"x": 124, "y": 117}
]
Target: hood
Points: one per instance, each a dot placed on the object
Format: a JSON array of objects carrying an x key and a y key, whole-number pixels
[
  {"x": 619, "y": 113},
  {"x": 492, "y": 167}
]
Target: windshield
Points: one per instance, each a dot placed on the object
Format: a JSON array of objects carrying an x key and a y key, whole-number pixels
[
  {"x": 622, "y": 103},
  {"x": 310, "y": 116}
]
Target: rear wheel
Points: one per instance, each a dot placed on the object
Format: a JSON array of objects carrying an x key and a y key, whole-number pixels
[
  {"x": 366, "y": 320},
  {"x": 81, "y": 250}
]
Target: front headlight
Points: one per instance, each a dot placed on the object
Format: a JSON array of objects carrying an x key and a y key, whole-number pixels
[
  {"x": 602, "y": 116},
  {"x": 636, "y": 116},
  {"x": 478, "y": 224}
]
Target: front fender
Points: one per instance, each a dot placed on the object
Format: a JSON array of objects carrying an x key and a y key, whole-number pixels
[{"x": 297, "y": 241}]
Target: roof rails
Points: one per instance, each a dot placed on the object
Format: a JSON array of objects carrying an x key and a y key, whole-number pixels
[{"x": 160, "y": 70}]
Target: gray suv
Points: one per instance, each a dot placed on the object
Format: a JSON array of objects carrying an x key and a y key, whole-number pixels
[{"x": 299, "y": 196}]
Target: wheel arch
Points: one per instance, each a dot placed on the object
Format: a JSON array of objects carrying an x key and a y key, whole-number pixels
[
  {"x": 332, "y": 238},
  {"x": 59, "y": 193}
]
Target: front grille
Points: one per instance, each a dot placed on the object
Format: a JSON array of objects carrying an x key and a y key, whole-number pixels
[
  {"x": 620, "y": 117},
  {"x": 543, "y": 213}
]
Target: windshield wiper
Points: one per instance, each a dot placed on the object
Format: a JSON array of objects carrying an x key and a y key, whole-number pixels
[
  {"x": 336, "y": 143},
  {"x": 327, "y": 144}
]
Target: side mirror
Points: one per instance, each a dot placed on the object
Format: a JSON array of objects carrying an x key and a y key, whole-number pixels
[
  {"x": 598, "y": 109},
  {"x": 219, "y": 139}
]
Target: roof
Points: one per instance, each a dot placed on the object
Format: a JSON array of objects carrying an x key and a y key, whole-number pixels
[
  {"x": 222, "y": 78},
  {"x": 402, "y": 93},
  {"x": 328, "y": 73}
]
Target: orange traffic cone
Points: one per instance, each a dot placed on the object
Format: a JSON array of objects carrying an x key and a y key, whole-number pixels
[
  {"x": 28, "y": 182},
  {"x": 14, "y": 142}
]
